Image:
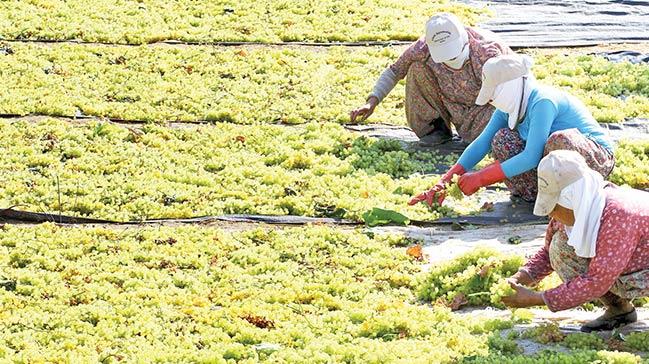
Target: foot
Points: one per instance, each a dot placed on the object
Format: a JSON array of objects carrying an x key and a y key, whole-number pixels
[
  {"x": 440, "y": 134},
  {"x": 609, "y": 321},
  {"x": 619, "y": 312}
]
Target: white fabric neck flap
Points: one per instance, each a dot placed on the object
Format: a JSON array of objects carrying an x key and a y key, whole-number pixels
[
  {"x": 459, "y": 61},
  {"x": 587, "y": 200},
  {"x": 507, "y": 98}
]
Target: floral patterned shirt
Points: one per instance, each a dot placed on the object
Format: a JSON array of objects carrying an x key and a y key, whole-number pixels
[
  {"x": 459, "y": 87},
  {"x": 622, "y": 248}
]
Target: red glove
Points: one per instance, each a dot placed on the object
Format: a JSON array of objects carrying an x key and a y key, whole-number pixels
[
  {"x": 439, "y": 189},
  {"x": 471, "y": 182}
]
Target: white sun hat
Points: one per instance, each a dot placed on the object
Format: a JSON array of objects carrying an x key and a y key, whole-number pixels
[
  {"x": 556, "y": 171},
  {"x": 501, "y": 69},
  {"x": 445, "y": 37}
]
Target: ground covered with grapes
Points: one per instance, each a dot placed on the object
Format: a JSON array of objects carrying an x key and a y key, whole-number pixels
[
  {"x": 97, "y": 122},
  {"x": 206, "y": 295}
]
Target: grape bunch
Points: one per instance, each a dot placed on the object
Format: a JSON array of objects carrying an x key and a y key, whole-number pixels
[
  {"x": 545, "y": 333},
  {"x": 638, "y": 341},
  {"x": 584, "y": 341},
  {"x": 472, "y": 275},
  {"x": 500, "y": 289},
  {"x": 453, "y": 189}
]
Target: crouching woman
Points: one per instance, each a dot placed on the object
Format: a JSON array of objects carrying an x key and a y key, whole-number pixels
[{"x": 597, "y": 242}]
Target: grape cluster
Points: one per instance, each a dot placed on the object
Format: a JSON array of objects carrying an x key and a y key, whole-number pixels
[
  {"x": 638, "y": 341},
  {"x": 472, "y": 275},
  {"x": 548, "y": 332},
  {"x": 500, "y": 289},
  {"x": 589, "y": 341}
]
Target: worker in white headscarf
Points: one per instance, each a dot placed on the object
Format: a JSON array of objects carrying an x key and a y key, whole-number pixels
[{"x": 597, "y": 242}]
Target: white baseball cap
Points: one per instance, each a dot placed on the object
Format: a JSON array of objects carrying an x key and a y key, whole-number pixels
[
  {"x": 501, "y": 69},
  {"x": 445, "y": 37},
  {"x": 556, "y": 171}
]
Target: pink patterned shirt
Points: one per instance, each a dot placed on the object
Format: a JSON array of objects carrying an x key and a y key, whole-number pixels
[{"x": 622, "y": 248}]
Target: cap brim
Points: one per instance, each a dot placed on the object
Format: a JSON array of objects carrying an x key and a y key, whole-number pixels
[
  {"x": 485, "y": 95},
  {"x": 447, "y": 51},
  {"x": 544, "y": 204}
]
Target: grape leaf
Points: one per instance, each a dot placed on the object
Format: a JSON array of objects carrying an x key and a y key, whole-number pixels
[{"x": 377, "y": 216}]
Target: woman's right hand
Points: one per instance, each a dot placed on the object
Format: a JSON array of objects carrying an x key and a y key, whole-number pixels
[
  {"x": 438, "y": 191},
  {"x": 523, "y": 278},
  {"x": 364, "y": 112}
]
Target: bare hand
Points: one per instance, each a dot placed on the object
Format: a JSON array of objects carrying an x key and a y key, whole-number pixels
[
  {"x": 523, "y": 278},
  {"x": 364, "y": 111},
  {"x": 523, "y": 297}
]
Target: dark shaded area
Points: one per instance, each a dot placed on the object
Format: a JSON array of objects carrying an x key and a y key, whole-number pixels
[{"x": 625, "y": 56}]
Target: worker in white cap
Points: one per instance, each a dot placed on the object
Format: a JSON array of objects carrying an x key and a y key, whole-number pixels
[
  {"x": 597, "y": 242},
  {"x": 531, "y": 120},
  {"x": 443, "y": 76}
]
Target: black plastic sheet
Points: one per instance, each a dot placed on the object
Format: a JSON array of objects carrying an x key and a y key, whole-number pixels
[{"x": 548, "y": 23}]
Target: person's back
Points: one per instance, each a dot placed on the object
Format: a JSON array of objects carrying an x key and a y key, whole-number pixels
[{"x": 570, "y": 113}]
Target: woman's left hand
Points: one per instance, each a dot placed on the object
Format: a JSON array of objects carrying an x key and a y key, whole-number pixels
[{"x": 523, "y": 297}]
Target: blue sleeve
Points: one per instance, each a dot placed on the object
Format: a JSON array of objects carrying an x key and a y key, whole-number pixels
[
  {"x": 482, "y": 144},
  {"x": 542, "y": 116}
]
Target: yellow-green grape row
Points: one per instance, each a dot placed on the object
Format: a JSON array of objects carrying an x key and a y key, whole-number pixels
[
  {"x": 472, "y": 275},
  {"x": 611, "y": 91},
  {"x": 109, "y": 171},
  {"x": 638, "y": 341},
  {"x": 250, "y": 85},
  {"x": 145, "y": 21},
  {"x": 202, "y": 294},
  {"x": 557, "y": 357},
  {"x": 247, "y": 85},
  {"x": 589, "y": 341},
  {"x": 499, "y": 290}
]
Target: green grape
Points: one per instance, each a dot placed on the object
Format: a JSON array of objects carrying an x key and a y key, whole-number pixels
[
  {"x": 500, "y": 289},
  {"x": 584, "y": 341},
  {"x": 638, "y": 341},
  {"x": 472, "y": 275},
  {"x": 503, "y": 345},
  {"x": 454, "y": 189},
  {"x": 544, "y": 333}
]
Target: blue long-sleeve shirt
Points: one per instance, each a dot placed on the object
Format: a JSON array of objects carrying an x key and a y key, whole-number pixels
[{"x": 548, "y": 110}]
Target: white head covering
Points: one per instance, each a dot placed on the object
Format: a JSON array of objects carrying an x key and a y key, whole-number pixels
[
  {"x": 511, "y": 97},
  {"x": 458, "y": 62},
  {"x": 445, "y": 37},
  {"x": 587, "y": 200},
  {"x": 506, "y": 83}
]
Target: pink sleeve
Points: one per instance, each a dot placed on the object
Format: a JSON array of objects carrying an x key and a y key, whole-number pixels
[
  {"x": 538, "y": 267},
  {"x": 416, "y": 52},
  {"x": 615, "y": 247}
]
